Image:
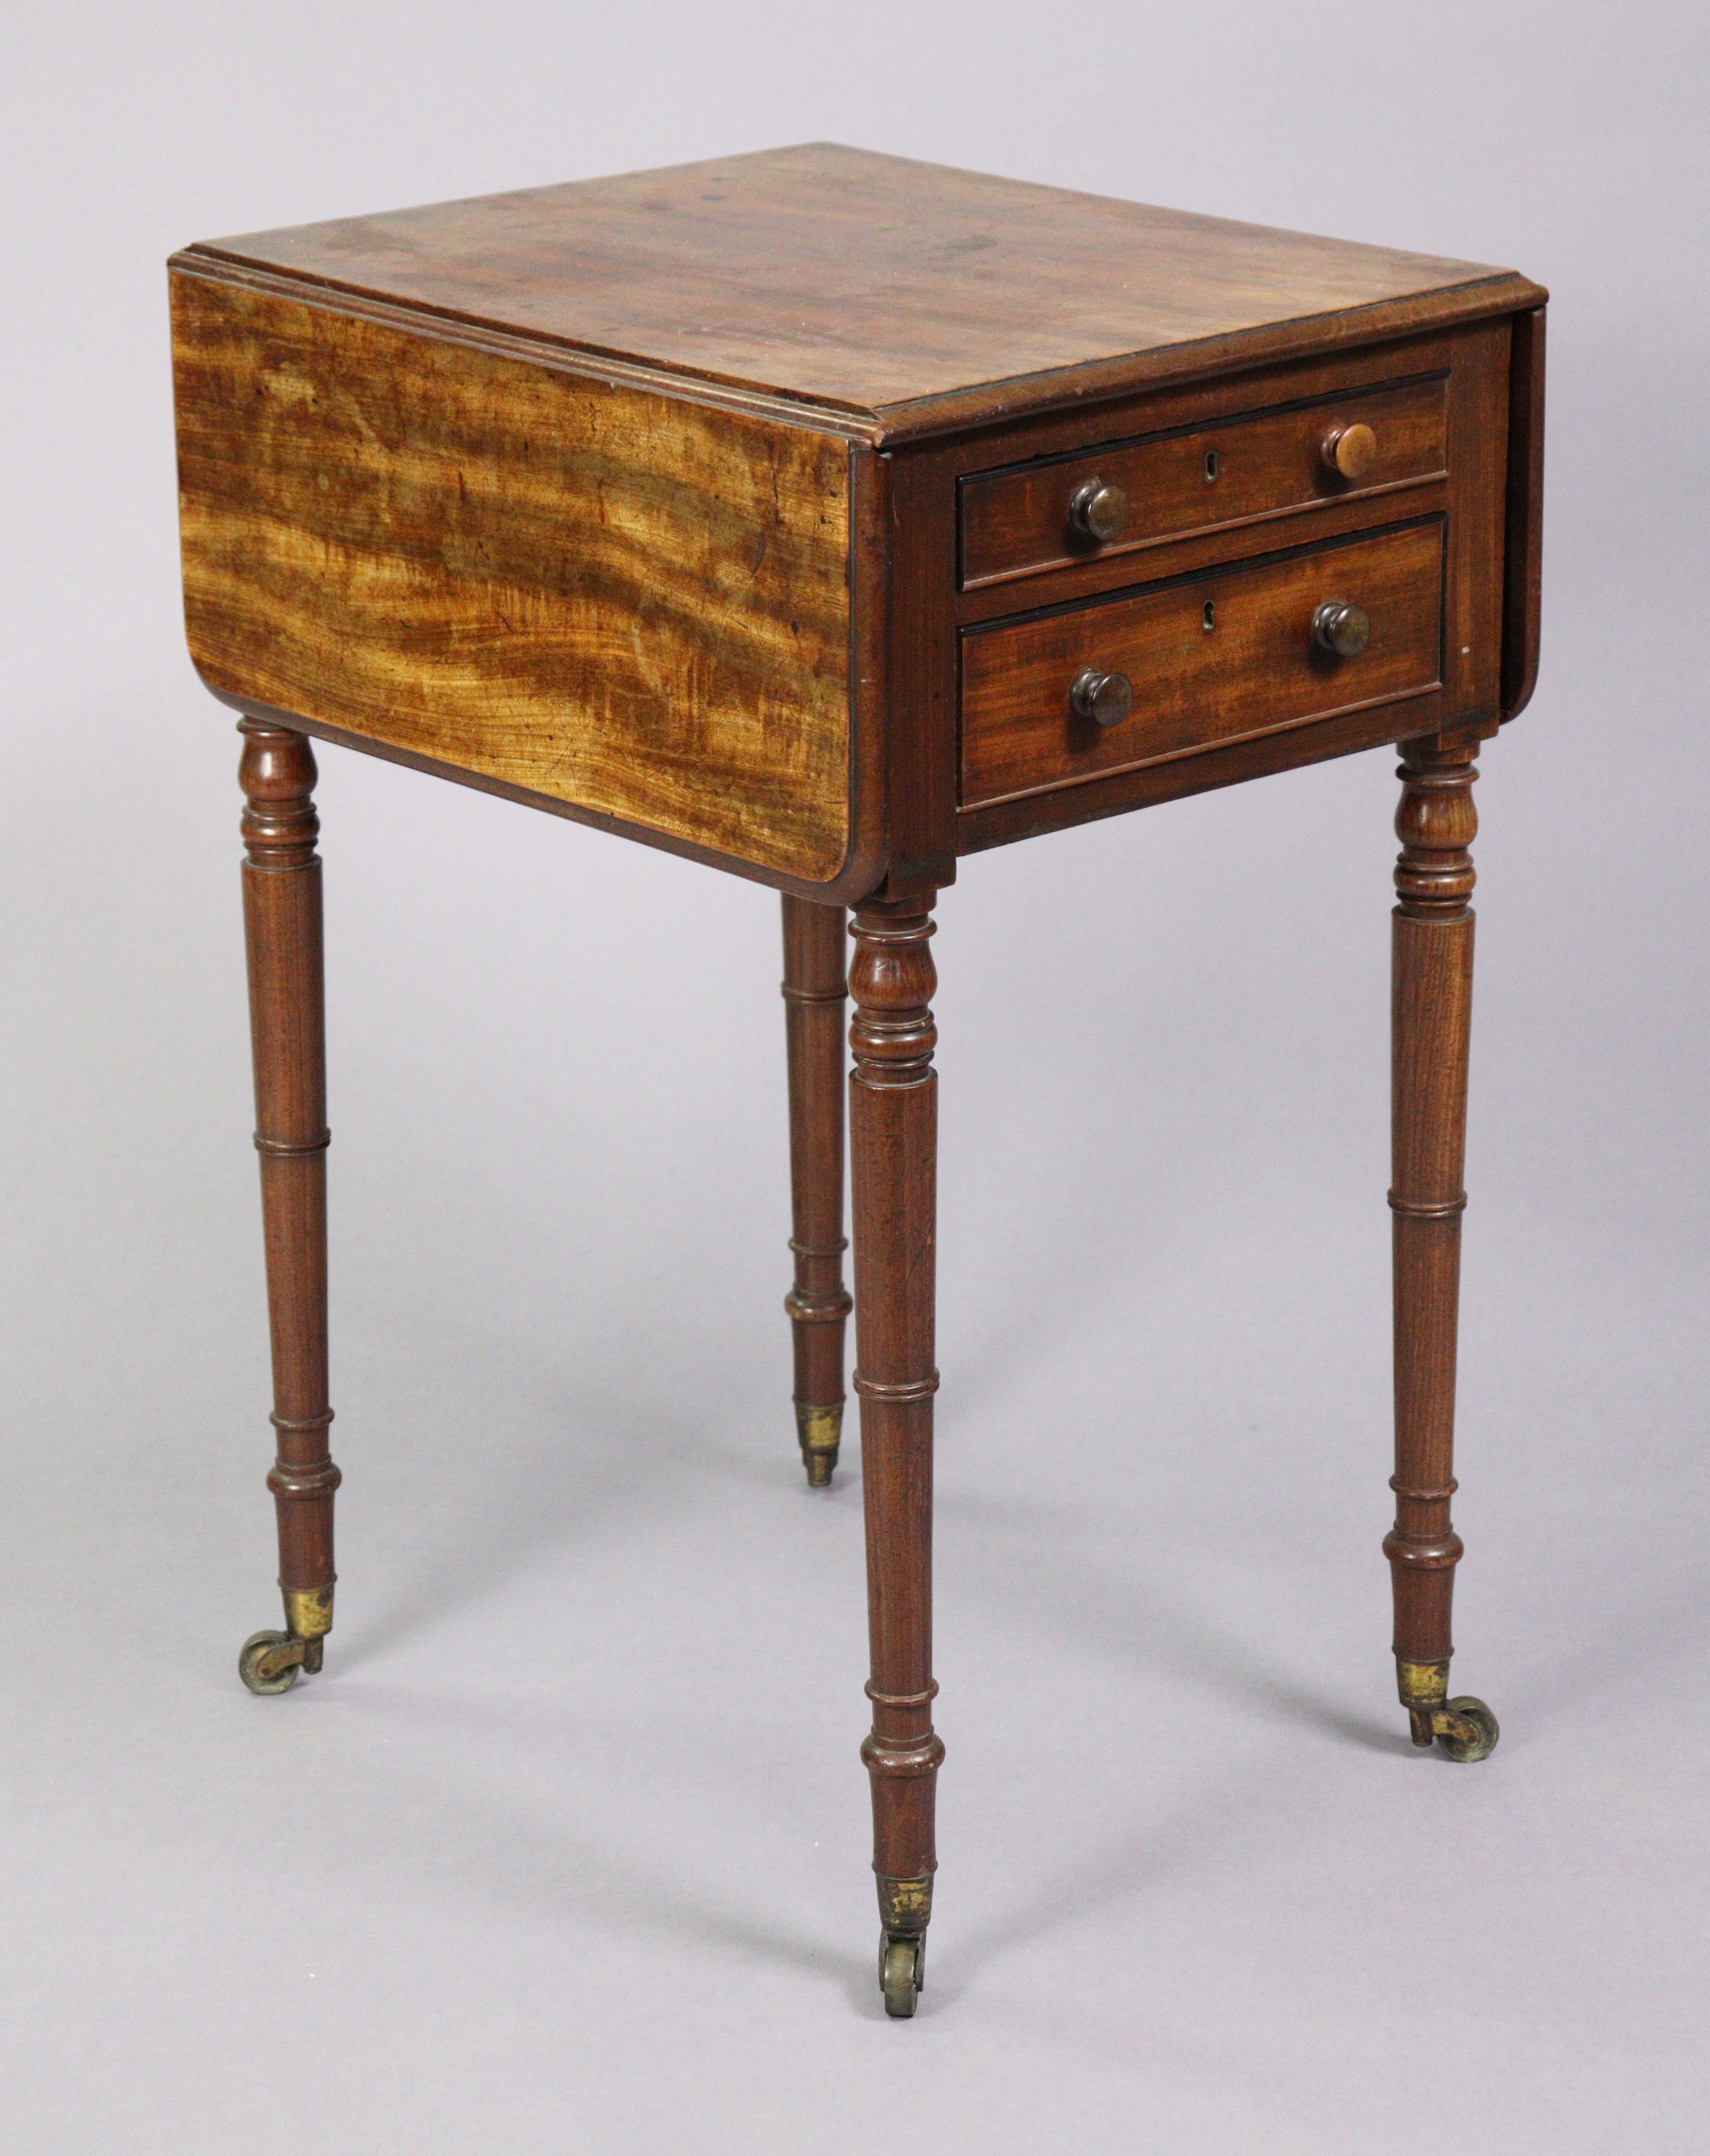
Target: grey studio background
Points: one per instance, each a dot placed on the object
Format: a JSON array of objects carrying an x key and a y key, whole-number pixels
[{"x": 567, "y": 1850}]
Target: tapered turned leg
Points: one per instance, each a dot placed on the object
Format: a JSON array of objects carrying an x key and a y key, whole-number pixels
[
  {"x": 282, "y": 930},
  {"x": 893, "y": 1136},
  {"x": 818, "y": 1305},
  {"x": 1432, "y": 1002}
]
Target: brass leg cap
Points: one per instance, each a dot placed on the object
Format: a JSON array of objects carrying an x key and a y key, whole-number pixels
[
  {"x": 820, "y": 1431},
  {"x": 308, "y": 1611},
  {"x": 1464, "y": 1728},
  {"x": 1424, "y": 1687}
]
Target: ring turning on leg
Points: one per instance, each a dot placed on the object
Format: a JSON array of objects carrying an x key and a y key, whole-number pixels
[
  {"x": 1432, "y": 1010},
  {"x": 281, "y": 878},
  {"x": 815, "y": 992},
  {"x": 893, "y": 1130}
]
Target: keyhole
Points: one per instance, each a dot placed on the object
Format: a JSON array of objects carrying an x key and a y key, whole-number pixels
[
  {"x": 1213, "y": 462},
  {"x": 1208, "y": 617}
]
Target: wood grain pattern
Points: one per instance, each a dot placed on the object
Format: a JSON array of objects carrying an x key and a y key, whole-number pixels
[
  {"x": 1253, "y": 670},
  {"x": 688, "y": 503},
  {"x": 1477, "y": 363},
  {"x": 1234, "y": 472},
  {"x": 816, "y": 963},
  {"x": 893, "y": 1106},
  {"x": 1523, "y": 591},
  {"x": 634, "y": 605},
  {"x": 1474, "y": 570},
  {"x": 287, "y": 1019},
  {"x": 1431, "y": 1006},
  {"x": 915, "y": 296},
  {"x": 1191, "y": 404}
]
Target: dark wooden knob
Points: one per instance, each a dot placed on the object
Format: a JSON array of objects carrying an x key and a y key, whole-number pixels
[
  {"x": 1350, "y": 452},
  {"x": 1341, "y": 626},
  {"x": 1099, "y": 510},
  {"x": 1108, "y": 698}
]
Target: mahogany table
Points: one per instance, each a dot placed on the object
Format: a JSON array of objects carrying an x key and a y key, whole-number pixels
[{"x": 827, "y": 517}]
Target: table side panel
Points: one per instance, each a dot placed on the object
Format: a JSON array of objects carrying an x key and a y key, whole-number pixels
[{"x": 634, "y": 605}]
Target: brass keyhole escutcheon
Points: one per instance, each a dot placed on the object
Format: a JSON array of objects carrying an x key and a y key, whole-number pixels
[
  {"x": 1208, "y": 614},
  {"x": 1213, "y": 465}
]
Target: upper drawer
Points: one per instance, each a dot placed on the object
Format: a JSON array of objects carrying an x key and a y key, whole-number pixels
[{"x": 1035, "y": 516}]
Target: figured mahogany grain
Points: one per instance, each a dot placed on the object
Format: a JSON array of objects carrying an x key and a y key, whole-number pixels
[{"x": 632, "y": 604}]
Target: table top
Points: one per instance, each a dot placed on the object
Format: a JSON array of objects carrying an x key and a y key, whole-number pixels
[
  {"x": 912, "y": 296},
  {"x": 734, "y": 506}
]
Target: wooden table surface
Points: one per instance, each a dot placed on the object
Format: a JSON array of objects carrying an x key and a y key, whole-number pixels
[{"x": 896, "y": 297}]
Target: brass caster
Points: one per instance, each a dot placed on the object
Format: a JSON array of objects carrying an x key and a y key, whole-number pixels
[
  {"x": 1466, "y": 1729},
  {"x": 820, "y": 1431},
  {"x": 270, "y": 1662},
  {"x": 902, "y": 1965}
]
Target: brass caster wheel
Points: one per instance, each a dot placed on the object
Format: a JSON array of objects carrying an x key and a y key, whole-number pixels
[
  {"x": 1466, "y": 1729},
  {"x": 270, "y": 1662},
  {"x": 901, "y": 1974}
]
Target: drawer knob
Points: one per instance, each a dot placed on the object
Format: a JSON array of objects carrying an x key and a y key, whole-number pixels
[
  {"x": 1101, "y": 512},
  {"x": 1350, "y": 452},
  {"x": 1108, "y": 698},
  {"x": 1341, "y": 626}
]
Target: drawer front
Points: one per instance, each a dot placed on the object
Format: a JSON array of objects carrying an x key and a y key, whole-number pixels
[
  {"x": 1212, "y": 659},
  {"x": 1233, "y": 471}
]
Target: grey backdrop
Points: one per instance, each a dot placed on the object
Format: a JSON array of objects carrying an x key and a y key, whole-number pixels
[{"x": 567, "y": 1850}]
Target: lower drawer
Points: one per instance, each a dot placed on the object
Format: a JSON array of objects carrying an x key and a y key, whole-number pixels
[{"x": 1206, "y": 660}]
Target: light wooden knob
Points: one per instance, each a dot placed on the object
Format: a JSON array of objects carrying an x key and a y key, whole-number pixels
[
  {"x": 1350, "y": 452},
  {"x": 1108, "y": 698},
  {"x": 1101, "y": 512}
]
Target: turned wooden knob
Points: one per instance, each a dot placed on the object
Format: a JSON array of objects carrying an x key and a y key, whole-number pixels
[
  {"x": 1350, "y": 452},
  {"x": 1099, "y": 510},
  {"x": 1107, "y": 698},
  {"x": 1341, "y": 626}
]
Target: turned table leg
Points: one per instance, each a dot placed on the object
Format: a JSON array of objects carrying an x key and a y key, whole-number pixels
[
  {"x": 282, "y": 931},
  {"x": 893, "y": 1132},
  {"x": 1432, "y": 1001},
  {"x": 815, "y": 993}
]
